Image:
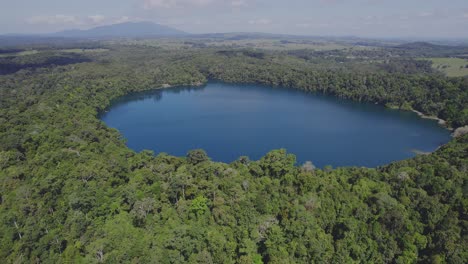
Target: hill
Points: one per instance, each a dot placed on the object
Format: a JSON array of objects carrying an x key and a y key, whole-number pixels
[
  {"x": 128, "y": 29},
  {"x": 424, "y": 49}
]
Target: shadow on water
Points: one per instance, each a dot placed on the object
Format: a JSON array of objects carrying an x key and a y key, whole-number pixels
[{"x": 153, "y": 94}]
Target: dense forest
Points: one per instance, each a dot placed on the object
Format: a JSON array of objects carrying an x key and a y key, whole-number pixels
[{"x": 72, "y": 192}]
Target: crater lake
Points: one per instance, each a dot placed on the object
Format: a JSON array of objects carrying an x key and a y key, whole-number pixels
[{"x": 233, "y": 120}]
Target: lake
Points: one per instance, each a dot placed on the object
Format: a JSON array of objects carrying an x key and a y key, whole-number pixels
[{"x": 233, "y": 120}]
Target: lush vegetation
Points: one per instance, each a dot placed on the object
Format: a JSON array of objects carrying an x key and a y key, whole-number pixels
[{"x": 71, "y": 191}]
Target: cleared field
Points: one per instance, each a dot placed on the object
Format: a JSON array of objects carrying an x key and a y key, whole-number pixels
[
  {"x": 280, "y": 45},
  {"x": 22, "y": 53},
  {"x": 32, "y": 52},
  {"x": 83, "y": 50},
  {"x": 453, "y": 67},
  {"x": 260, "y": 43}
]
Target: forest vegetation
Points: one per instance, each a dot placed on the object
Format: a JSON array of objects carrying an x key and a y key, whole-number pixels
[{"x": 72, "y": 192}]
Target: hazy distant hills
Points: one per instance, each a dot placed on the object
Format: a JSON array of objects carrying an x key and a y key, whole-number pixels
[
  {"x": 128, "y": 29},
  {"x": 154, "y": 30}
]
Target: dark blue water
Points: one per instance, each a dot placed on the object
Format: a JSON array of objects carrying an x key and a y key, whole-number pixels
[{"x": 229, "y": 121}]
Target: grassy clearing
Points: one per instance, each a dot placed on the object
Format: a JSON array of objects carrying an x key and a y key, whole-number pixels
[
  {"x": 83, "y": 50},
  {"x": 32, "y": 52},
  {"x": 280, "y": 45},
  {"x": 22, "y": 53},
  {"x": 453, "y": 67},
  {"x": 264, "y": 44}
]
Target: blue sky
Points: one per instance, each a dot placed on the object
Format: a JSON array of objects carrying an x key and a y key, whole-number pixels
[{"x": 366, "y": 18}]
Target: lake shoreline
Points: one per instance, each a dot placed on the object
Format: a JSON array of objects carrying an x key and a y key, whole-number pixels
[{"x": 441, "y": 121}]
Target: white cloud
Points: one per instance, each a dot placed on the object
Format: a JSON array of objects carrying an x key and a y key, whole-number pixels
[
  {"x": 79, "y": 22},
  {"x": 55, "y": 20},
  {"x": 261, "y": 21},
  {"x": 122, "y": 19},
  {"x": 154, "y": 4},
  {"x": 97, "y": 19},
  {"x": 150, "y": 4},
  {"x": 168, "y": 4}
]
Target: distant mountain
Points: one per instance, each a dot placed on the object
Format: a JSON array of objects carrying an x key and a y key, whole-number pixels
[
  {"x": 426, "y": 49},
  {"x": 128, "y": 29},
  {"x": 419, "y": 45}
]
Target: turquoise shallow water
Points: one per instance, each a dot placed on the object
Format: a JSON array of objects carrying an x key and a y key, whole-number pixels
[{"x": 232, "y": 120}]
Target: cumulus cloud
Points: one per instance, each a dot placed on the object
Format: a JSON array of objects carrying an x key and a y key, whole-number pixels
[
  {"x": 55, "y": 20},
  {"x": 97, "y": 19},
  {"x": 168, "y": 4},
  {"x": 150, "y": 4},
  {"x": 78, "y": 21},
  {"x": 123, "y": 19},
  {"x": 435, "y": 14},
  {"x": 67, "y": 20},
  {"x": 154, "y": 4}
]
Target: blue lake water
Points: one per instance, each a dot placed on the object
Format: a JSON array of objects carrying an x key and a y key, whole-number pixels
[{"x": 233, "y": 120}]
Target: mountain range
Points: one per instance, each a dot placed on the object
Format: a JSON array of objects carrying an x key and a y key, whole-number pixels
[{"x": 127, "y": 29}]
